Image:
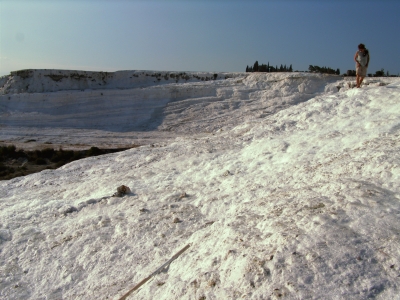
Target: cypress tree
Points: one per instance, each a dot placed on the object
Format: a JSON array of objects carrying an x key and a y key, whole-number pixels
[{"x": 255, "y": 67}]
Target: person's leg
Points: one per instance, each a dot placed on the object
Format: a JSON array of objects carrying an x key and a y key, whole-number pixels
[
  {"x": 358, "y": 76},
  {"x": 362, "y": 72},
  {"x": 361, "y": 80}
]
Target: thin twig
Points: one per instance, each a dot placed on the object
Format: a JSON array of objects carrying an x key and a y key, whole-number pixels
[{"x": 154, "y": 273}]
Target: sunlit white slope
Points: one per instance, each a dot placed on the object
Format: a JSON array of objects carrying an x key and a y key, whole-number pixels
[
  {"x": 141, "y": 106},
  {"x": 302, "y": 203}
]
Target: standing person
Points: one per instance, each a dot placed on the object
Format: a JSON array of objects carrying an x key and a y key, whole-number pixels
[{"x": 362, "y": 60}]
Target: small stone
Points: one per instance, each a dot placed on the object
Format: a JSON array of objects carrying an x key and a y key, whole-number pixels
[
  {"x": 195, "y": 284},
  {"x": 177, "y": 220},
  {"x": 212, "y": 283},
  {"x": 122, "y": 190},
  {"x": 227, "y": 173}
]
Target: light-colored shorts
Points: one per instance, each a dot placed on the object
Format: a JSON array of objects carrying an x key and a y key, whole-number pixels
[{"x": 361, "y": 71}]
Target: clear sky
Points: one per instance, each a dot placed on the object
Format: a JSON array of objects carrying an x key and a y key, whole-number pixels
[{"x": 198, "y": 35}]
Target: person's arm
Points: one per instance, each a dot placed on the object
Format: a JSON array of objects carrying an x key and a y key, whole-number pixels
[
  {"x": 355, "y": 58},
  {"x": 368, "y": 60}
]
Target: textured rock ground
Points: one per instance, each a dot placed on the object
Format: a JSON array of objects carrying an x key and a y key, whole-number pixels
[{"x": 290, "y": 185}]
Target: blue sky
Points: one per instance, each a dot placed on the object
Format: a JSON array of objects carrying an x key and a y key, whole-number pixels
[{"x": 206, "y": 35}]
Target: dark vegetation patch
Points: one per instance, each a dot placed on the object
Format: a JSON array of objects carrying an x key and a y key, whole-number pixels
[
  {"x": 56, "y": 77},
  {"x": 23, "y": 73},
  {"x": 15, "y": 163}
]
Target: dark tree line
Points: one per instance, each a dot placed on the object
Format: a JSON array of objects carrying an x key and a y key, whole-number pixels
[
  {"x": 324, "y": 70},
  {"x": 267, "y": 68},
  {"x": 256, "y": 67},
  {"x": 379, "y": 73}
]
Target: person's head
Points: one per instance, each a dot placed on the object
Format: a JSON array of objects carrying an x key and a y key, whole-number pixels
[{"x": 361, "y": 47}]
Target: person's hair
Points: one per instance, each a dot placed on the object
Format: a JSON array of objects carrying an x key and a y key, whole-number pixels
[{"x": 361, "y": 46}]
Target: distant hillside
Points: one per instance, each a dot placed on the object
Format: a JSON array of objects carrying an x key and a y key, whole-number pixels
[{"x": 43, "y": 80}]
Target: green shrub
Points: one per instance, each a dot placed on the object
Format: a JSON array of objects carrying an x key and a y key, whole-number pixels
[
  {"x": 7, "y": 151},
  {"x": 40, "y": 161},
  {"x": 4, "y": 170},
  {"x": 61, "y": 163},
  {"x": 36, "y": 154},
  {"x": 3, "y": 167},
  {"x": 62, "y": 155},
  {"x": 47, "y": 153},
  {"x": 93, "y": 151},
  {"x": 77, "y": 155}
]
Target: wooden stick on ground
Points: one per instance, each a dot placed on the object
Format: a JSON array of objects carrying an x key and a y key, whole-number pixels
[{"x": 154, "y": 273}]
